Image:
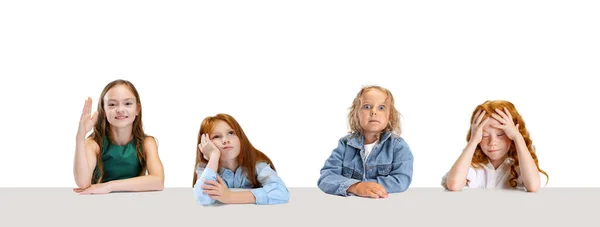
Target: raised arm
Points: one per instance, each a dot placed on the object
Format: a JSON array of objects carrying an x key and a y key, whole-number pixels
[
  {"x": 528, "y": 168},
  {"x": 86, "y": 150},
  {"x": 457, "y": 176},
  {"x": 213, "y": 155}
]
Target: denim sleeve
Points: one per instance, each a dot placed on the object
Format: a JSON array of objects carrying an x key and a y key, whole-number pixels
[
  {"x": 331, "y": 180},
  {"x": 204, "y": 174},
  {"x": 273, "y": 189},
  {"x": 400, "y": 176}
]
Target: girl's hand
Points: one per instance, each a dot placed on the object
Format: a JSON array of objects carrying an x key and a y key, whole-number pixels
[
  {"x": 208, "y": 148},
  {"x": 87, "y": 120},
  {"x": 101, "y": 188},
  {"x": 217, "y": 190},
  {"x": 506, "y": 124},
  {"x": 368, "y": 189},
  {"x": 477, "y": 127}
]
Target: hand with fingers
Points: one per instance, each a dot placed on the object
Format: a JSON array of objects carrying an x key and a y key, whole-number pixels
[
  {"x": 368, "y": 189},
  {"x": 506, "y": 123},
  {"x": 87, "y": 120},
  {"x": 217, "y": 190},
  {"x": 100, "y": 188},
  {"x": 477, "y": 127},
  {"x": 208, "y": 148}
]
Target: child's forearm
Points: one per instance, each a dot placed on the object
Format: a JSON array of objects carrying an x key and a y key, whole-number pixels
[
  {"x": 241, "y": 197},
  {"x": 335, "y": 184},
  {"x": 81, "y": 168},
  {"x": 213, "y": 162},
  {"x": 529, "y": 171},
  {"x": 202, "y": 197},
  {"x": 457, "y": 176},
  {"x": 392, "y": 183},
  {"x": 140, "y": 183}
]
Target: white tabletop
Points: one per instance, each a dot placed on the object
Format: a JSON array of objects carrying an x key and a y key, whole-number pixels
[{"x": 417, "y": 206}]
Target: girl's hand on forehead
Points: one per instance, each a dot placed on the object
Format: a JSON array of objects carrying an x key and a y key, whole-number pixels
[
  {"x": 477, "y": 126},
  {"x": 506, "y": 123},
  {"x": 87, "y": 120},
  {"x": 207, "y": 147}
]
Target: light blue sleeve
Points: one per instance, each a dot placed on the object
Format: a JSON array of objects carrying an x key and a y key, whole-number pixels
[
  {"x": 205, "y": 174},
  {"x": 273, "y": 189}
]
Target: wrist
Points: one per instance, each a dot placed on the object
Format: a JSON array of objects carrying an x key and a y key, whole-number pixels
[
  {"x": 215, "y": 156},
  {"x": 228, "y": 195},
  {"x": 518, "y": 137},
  {"x": 110, "y": 186},
  {"x": 80, "y": 135},
  {"x": 519, "y": 140},
  {"x": 352, "y": 188},
  {"x": 471, "y": 146}
]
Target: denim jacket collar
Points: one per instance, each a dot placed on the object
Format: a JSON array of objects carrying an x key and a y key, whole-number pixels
[{"x": 357, "y": 140}]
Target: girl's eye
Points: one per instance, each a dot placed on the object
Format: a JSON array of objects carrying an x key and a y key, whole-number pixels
[
  {"x": 215, "y": 137},
  {"x": 381, "y": 107},
  {"x": 367, "y": 106},
  {"x": 232, "y": 133}
]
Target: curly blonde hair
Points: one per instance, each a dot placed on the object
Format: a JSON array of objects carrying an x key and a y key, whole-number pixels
[{"x": 394, "y": 117}]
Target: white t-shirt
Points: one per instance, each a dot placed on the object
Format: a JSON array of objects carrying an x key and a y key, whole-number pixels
[
  {"x": 369, "y": 148},
  {"x": 488, "y": 177}
]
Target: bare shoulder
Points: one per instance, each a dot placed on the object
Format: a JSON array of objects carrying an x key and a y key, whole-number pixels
[{"x": 150, "y": 144}]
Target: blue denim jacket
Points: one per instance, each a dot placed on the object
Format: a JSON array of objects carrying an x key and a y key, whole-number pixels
[
  {"x": 390, "y": 164},
  {"x": 273, "y": 190}
]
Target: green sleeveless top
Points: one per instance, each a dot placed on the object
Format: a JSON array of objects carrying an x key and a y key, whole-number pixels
[{"x": 119, "y": 162}]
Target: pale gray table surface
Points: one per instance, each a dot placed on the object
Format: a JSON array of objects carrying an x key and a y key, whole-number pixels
[{"x": 415, "y": 207}]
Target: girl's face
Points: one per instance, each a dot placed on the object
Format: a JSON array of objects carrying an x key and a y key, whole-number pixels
[
  {"x": 494, "y": 143},
  {"x": 120, "y": 106},
  {"x": 374, "y": 113},
  {"x": 225, "y": 138}
]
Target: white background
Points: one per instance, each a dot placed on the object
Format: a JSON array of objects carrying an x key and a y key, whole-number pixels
[{"x": 288, "y": 73}]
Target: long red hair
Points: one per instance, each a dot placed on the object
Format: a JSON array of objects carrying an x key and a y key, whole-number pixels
[
  {"x": 248, "y": 156},
  {"x": 479, "y": 158}
]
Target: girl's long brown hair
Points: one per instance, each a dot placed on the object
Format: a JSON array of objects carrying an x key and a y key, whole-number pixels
[
  {"x": 479, "y": 158},
  {"x": 102, "y": 130},
  {"x": 248, "y": 156}
]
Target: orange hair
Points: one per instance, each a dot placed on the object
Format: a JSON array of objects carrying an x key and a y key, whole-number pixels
[
  {"x": 248, "y": 156},
  {"x": 479, "y": 158}
]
